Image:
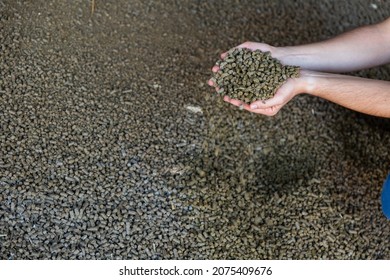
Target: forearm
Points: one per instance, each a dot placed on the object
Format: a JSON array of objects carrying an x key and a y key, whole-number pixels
[
  {"x": 361, "y": 48},
  {"x": 363, "y": 95}
]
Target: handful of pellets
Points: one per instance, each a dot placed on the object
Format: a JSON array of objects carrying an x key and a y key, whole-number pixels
[{"x": 249, "y": 75}]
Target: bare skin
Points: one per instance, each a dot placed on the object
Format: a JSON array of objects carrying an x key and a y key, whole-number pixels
[{"x": 361, "y": 48}]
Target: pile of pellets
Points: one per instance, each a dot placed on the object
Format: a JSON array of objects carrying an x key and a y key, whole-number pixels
[
  {"x": 249, "y": 75},
  {"x": 110, "y": 149}
]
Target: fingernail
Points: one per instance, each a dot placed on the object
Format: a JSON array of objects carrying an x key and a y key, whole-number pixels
[{"x": 253, "y": 106}]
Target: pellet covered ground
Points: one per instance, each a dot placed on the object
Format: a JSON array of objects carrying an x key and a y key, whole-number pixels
[{"x": 113, "y": 146}]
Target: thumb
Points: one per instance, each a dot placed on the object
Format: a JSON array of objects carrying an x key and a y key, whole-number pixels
[
  {"x": 281, "y": 97},
  {"x": 255, "y": 46},
  {"x": 250, "y": 45}
]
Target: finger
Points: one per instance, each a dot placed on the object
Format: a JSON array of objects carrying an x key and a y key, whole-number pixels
[
  {"x": 215, "y": 68},
  {"x": 213, "y": 84},
  {"x": 236, "y": 102},
  {"x": 249, "y": 45},
  {"x": 262, "y": 104},
  {"x": 225, "y": 54},
  {"x": 241, "y": 46},
  {"x": 232, "y": 101},
  {"x": 246, "y": 45},
  {"x": 255, "y": 46},
  {"x": 270, "y": 111}
]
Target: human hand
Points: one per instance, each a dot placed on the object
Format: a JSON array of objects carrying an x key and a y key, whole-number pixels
[
  {"x": 284, "y": 94},
  {"x": 270, "y": 107}
]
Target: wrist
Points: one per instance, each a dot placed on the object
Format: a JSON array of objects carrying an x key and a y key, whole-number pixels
[
  {"x": 287, "y": 55},
  {"x": 306, "y": 82},
  {"x": 278, "y": 53}
]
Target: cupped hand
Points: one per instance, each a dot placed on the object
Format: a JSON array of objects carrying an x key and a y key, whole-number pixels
[{"x": 269, "y": 107}]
